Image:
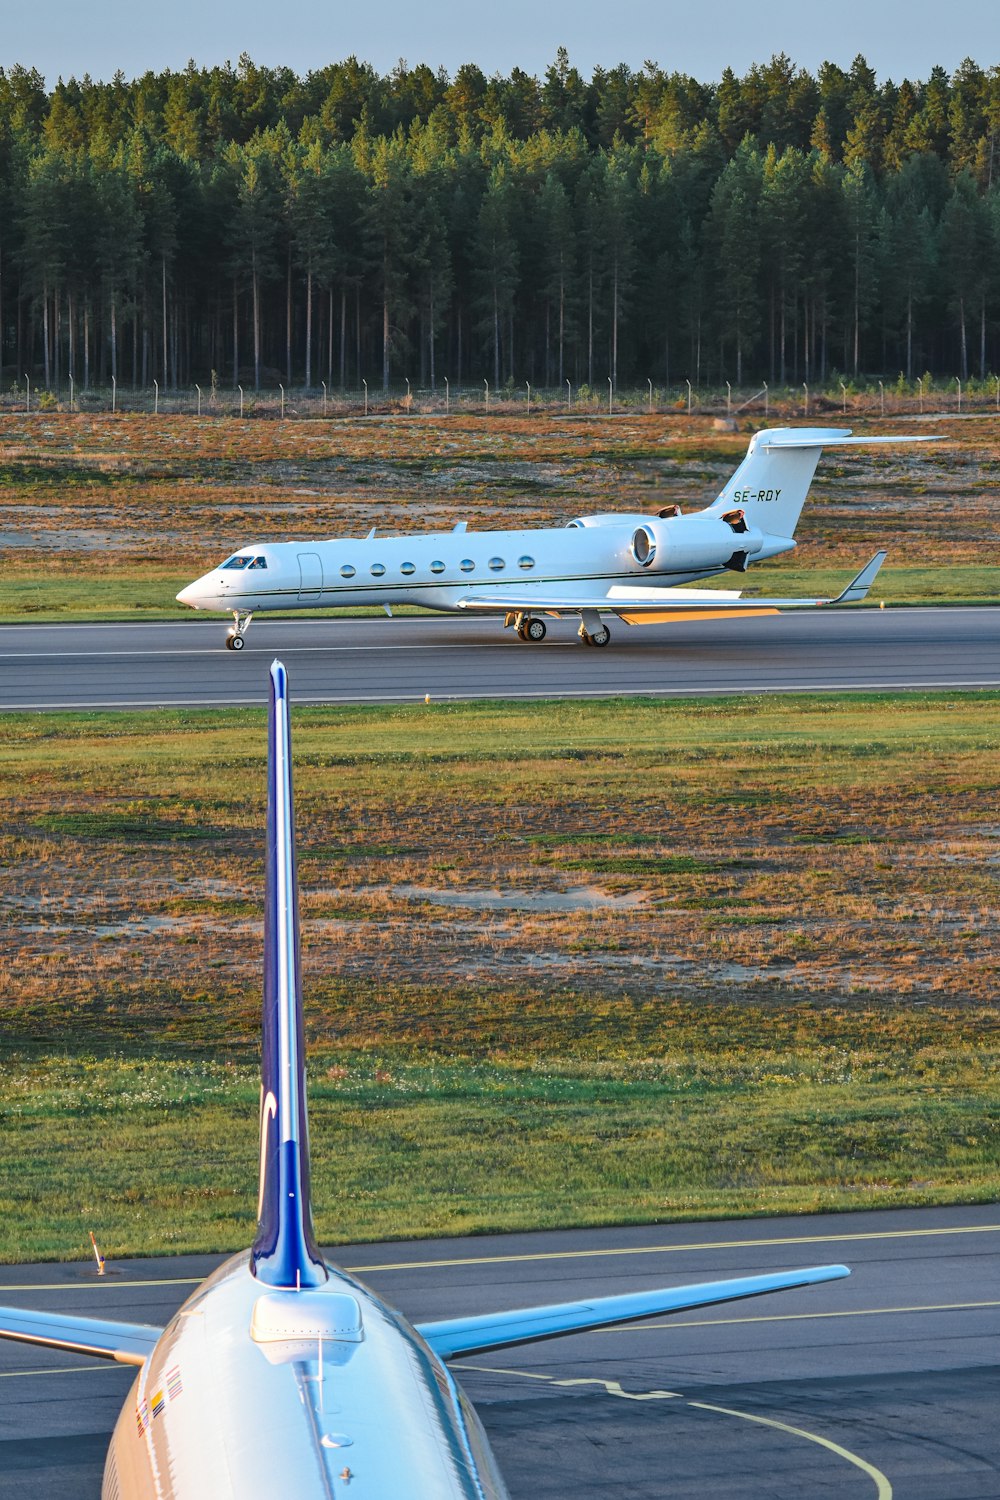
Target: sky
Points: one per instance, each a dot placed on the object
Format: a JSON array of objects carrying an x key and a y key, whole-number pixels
[{"x": 900, "y": 38}]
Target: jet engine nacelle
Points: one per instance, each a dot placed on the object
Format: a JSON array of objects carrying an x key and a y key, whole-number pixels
[{"x": 682, "y": 543}]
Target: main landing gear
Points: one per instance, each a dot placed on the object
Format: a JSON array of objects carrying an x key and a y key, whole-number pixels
[
  {"x": 236, "y": 638},
  {"x": 531, "y": 630},
  {"x": 599, "y": 637},
  {"x": 525, "y": 627}
]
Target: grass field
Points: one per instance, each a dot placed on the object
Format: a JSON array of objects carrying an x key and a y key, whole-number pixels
[
  {"x": 564, "y": 963},
  {"x": 108, "y": 516}
]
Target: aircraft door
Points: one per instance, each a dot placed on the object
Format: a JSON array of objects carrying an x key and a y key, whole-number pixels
[{"x": 310, "y": 576}]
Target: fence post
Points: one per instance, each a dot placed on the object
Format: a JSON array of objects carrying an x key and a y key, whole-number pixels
[
  {"x": 281, "y": 388},
  {"x": 729, "y": 399},
  {"x": 569, "y": 395},
  {"x": 920, "y": 391},
  {"x": 114, "y": 394},
  {"x": 611, "y": 394},
  {"x": 843, "y": 387},
  {"x": 240, "y": 389},
  {"x": 198, "y": 389},
  {"x": 323, "y": 384},
  {"x": 528, "y": 384},
  {"x": 365, "y": 384},
  {"x": 71, "y": 393},
  {"x": 650, "y": 384},
  {"x": 156, "y": 398},
  {"x": 959, "y": 384},
  {"x": 767, "y": 400},
  {"x": 27, "y": 393},
  {"x": 447, "y": 396},
  {"x": 487, "y": 385},
  {"x": 688, "y": 383},
  {"x": 881, "y": 396},
  {"x": 806, "y": 389}
]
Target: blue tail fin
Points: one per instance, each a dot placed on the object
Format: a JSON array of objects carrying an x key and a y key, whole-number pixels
[{"x": 284, "y": 1253}]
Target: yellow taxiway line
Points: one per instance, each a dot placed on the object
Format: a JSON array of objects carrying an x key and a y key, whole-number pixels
[{"x": 609, "y": 1252}]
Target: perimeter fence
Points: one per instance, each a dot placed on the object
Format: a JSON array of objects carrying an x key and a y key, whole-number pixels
[{"x": 839, "y": 398}]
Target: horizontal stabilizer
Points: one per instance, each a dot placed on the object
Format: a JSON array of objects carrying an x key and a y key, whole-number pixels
[
  {"x": 127, "y": 1343},
  {"x": 529, "y": 1325},
  {"x": 835, "y": 437}
]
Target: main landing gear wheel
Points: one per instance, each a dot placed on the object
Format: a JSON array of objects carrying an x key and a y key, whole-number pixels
[
  {"x": 599, "y": 638},
  {"x": 234, "y": 642},
  {"x": 534, "y": 630}
]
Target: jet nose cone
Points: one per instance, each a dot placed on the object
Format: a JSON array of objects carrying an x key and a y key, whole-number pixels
[{"x": 188, "y": 595}]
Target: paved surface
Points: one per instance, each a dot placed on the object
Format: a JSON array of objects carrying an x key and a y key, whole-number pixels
[
  {"x": 381, "y": 660},
  {"x": 881, "y": 1386}
]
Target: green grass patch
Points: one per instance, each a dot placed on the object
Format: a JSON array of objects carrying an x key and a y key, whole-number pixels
[
  {"x": 160, "y": 1155},
  {"x": 829, "y": 1038}
]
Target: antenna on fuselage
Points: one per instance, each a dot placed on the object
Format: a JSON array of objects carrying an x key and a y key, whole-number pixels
[{"x": 284, "y": 1252}]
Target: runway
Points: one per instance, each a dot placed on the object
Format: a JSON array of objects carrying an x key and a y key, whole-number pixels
[
  {"x": 881, "y": 1386},
  {"x": 377, "y": 660}
]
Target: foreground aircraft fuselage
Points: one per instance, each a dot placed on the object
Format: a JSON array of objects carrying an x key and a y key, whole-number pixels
[
  {"x": 305, "y": 1394},
  {"x": 631, "y": 566},
  {"x": 282, "y": 1376}
]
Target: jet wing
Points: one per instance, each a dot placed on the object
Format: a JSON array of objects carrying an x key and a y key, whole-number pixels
[
  {"x": 529, "y": 1325},
  {"x": 126, "y": 1343},
  {"x": 651, "y": 604}
]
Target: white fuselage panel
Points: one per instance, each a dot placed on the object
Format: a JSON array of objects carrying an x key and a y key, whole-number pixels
[{"x": 216, "y": 1412}]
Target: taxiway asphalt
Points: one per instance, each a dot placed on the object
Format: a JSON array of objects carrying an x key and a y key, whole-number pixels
[
  {"x": 881, "y": 1387},
  {"x": 377, "y": 660}
]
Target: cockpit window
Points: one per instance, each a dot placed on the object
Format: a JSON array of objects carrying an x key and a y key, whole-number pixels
[
  {"x": 239, "y": 561},
  {"x": 259, "y": 562}
]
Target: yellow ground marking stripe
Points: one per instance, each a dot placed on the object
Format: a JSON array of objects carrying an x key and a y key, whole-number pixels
[
  {"x": 882, "y": 1486},
  {"x": 853, "y": 1312},
  {"x": 116, "y": 1285},
  {"x": 800, "y": 1239},
  {"x": 613, "y": 1388},
  {"x": 544, "y": 1255}
]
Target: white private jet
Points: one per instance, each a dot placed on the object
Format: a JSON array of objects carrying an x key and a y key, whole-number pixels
[
  {"x": 628, "y": 565},
  {"x": 282, "y": 1375}
]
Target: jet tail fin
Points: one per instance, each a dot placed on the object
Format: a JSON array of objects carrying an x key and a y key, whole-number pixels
[
  {"x": 284, "y": 1252},
  {"x": 771, "y": 484}
]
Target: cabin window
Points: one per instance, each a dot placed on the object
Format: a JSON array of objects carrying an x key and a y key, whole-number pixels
[
  {"x": 377, "y": 570},
  {"x": 238, "y": 562},
  {"x": 437, "y": 567},
  {"x": 258, "y": 562},
  {"x": 497, "y": 564},
  {"x": 347, "y": 571},
  {"x": 407, "y": 568},
  {"x": 467, "y": 565},
  {"x": 526, "y": 563}
]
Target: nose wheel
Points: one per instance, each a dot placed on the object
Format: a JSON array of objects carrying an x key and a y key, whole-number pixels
[{"x": 235, "y": 639}]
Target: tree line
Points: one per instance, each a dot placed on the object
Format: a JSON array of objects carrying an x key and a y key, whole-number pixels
[{"x": 252, "y": 225}]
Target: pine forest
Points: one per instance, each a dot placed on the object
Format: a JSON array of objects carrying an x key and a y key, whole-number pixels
[{"x": 244, "y": 224}]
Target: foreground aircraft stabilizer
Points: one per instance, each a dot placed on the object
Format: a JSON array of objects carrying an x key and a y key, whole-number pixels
[{"x": 282, "y": 1375}]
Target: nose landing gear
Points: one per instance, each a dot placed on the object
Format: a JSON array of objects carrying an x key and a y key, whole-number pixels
[{"x": 235, "y": 638}]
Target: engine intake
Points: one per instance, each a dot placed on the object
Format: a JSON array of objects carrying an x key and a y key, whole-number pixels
[{"x": 678, "y": 544}]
